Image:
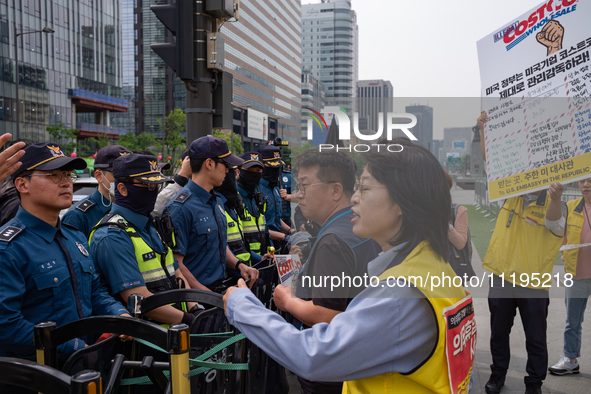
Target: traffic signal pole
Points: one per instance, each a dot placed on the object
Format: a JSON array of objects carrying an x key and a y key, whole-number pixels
[
  {"x": 197, "y": 58},
  {"x": 199, "y": 104}
]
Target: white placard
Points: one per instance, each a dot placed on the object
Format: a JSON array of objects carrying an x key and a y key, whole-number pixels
[
  {"x": 258, "y": 125},
  {"x": 536, "y": 87}
]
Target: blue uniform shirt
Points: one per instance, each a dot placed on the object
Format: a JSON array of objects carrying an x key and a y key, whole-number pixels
[
  {"x": 195, "y": 214},
  {"x": 286, "y": 205},
  {"x": 36, "y": 285},
  {"x": 273, "y": 214},
  {"x": 114, "y": 253},
  {"x": 86, "y": 213}
]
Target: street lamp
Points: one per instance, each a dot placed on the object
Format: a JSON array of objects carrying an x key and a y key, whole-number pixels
[{"x": 47, "y": 30}]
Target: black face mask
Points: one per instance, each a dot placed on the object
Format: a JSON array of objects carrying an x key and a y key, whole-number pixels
[
  {"x": 249, "y": 180},
  {"x": 271, "y": 175},
  {"x": 139, "y": 199},
  {"x": 228, "y": 189}
]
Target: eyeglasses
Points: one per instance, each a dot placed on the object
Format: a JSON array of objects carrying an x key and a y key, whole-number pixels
[
  {"x": 57, "y": 176},
  {"x": 228, "y": 165},
  {"x": 361, "y": 188},
  {"x": 151, "y": 186},
  {"x": 301, "y": 188}
]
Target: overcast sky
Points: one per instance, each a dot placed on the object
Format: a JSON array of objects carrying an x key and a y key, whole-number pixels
[{"x": 427, "y": 48}]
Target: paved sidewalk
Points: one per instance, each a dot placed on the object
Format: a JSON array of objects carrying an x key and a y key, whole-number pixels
[{"x": 569, "y": 384}]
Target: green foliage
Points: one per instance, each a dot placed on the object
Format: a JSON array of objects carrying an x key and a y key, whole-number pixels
[
  {"x": 175, "y": 143},
  {"x": 287, "y": 155},
  {"x": 235, "y": 145},
  {"x": 101, "y": 141},
  {"x": 65, "y": 137},
  {"x": 141, "y": 141}
]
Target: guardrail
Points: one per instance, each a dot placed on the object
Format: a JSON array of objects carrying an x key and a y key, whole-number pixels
[
  {"x": 98, "y": 97},
  {"x": 99, "y": 128}
]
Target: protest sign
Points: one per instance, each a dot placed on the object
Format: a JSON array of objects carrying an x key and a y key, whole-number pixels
[
  {"x": 288, "y": 265},
  {"x": 536, "y": 88},
  {"x": 460, "y": 343}
]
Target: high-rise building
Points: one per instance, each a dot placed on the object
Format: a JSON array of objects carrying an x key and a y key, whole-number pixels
[
  {"x": 312, "y": 97},
  {"x": 457, "y": 139},
  {"x": 374, "y": 96},
  {"x": 330, "y": 42},
  {"x": 70, "y": 74},
  {"x": 263, "y": 51},
  {"x": 423, "y": 131},
  {"x": 148, "y": 83}
]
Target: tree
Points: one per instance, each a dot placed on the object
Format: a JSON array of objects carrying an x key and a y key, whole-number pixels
[
  {"x": 141, "y": 141},
  {"x": 174, "y": 142},
  {"x": 232, "y": 139},
  {"x": 65, "y": 137},
  {"x": 101, "y": 141}
]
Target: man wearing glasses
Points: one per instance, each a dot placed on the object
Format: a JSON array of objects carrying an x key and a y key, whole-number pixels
[
  {"x": 325, "y": 184},
  {"x": 199, "y": 217},
  {"x": 129, "y": 252},
  {"x": 47, "y": 271}
]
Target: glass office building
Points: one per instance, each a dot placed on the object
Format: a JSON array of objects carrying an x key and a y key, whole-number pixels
[
  {"x": 263, "y": 53},
  {"x": 330, "y": 49},
  {"x": 71, "y": 76}
]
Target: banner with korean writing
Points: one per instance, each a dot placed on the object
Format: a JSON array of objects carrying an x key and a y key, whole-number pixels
[
  {"x": 460, "y": 343},
  {"x": 536, "y": 89}
]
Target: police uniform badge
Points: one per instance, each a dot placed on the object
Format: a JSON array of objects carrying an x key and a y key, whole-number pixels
[
  {"x": 82, "y": 249},
  {"x": 221, "y": 210}
]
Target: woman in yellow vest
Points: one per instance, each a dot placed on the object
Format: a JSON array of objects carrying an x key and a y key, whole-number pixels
[
  {"x": 392, "y": 336},
  {"x": 577, "y": 263}
]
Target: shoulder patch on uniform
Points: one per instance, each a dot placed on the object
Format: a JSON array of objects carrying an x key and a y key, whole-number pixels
[
  {"x": 182, "y": 197},
  {"x": 85, "y": 205},
  {"x": 9, "y": 233}
]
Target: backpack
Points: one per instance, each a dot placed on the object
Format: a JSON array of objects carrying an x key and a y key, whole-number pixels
[{"x": 461, "y": 260}]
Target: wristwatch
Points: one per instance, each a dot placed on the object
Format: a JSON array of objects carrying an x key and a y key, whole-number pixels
[{"x": 238, "y": 264}]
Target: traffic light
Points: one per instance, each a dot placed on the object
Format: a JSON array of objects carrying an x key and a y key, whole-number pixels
[{"x": 178, "y": 18}]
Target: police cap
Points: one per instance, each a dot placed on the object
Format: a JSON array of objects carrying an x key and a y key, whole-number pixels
[
  {"x": 140, "y": 167},
  {"x": 251, "y": 159},
  {"x": 271, "y": 155},
  {"x": 47, "y": 156},
  {"x": 106, "y": 156},
  {"x": 209, "y": 147}
]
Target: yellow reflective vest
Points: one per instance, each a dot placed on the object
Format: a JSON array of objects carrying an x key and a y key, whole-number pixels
[
  {"x": 521, "y": 244},
  {"x": 576, "y": 219},
  {"x": 254, "y": 230},
  {"x": 236, "y": 241},
  {"x": 155, "y": 278},
  {"x": 432, "y": 375}
]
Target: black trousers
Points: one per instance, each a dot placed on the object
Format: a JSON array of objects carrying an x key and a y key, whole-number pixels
[{"x": 503, "y": 303}]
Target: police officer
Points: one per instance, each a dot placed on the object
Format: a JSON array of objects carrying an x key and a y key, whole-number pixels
[
  {"x": 234, "y": 210},
  {"x": 285, "y": 193},
  {"x": 254, "y": 225},
  {"x": 199, "y": 217},
  {"x": 86, "y": 213},
  {"x": 47, "y": 271},
  {"x": 271, "y": 158},
  {"x": 130, "y": 253}
]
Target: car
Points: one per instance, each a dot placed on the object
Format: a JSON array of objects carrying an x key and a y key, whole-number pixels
[{"x": 83, "y": 187}]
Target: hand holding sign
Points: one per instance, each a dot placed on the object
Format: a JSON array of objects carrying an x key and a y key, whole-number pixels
[
  {"x": 551, "y": 36},
  {"x": 281, "y": 297},
  {"x": 555, "y": 190}
]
